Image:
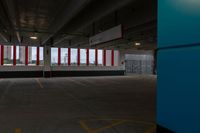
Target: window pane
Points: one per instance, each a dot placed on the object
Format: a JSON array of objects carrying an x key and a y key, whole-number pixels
[
  {"x": 116, "y": 58},
  {"x": 92, "y": 56},
  {"x": 20, "y": 55},
  {"x": 100, "y": 57},
  {"x": 54, "y": 56},
  {"x": 32, "y": 55},
  {"x": 41, "y": 56},
  {"x": 73, "y": 56},
  {"x": 8, "y": 55},
  {"x": 83, "y": 56},
  {"x": 64, "y": 56},
  {"x": 108, "y": 57}
]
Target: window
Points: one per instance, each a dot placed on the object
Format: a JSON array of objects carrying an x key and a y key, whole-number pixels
[
  {"x": 64, "y": 56},
  {"x": 74, "y": 56},
  {"x": 20, "y": 55},
  {"x": 100, "y": 57},
  {"x": 116, "y": 58},
  {"x": 41, "y": 55},
  {"x": 54, "y": 56},
  {"x": 92, "y": 57},
  {"x": 83, "y": 56},
  {"x": 108, "y": 57},
  {"x": 32, "y": 55},
  {"x": 8, "y": 55}
]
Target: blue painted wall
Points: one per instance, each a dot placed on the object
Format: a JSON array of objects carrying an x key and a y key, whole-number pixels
[{"x": 178, "y": 92}]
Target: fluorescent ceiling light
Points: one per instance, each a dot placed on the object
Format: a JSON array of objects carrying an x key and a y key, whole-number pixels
[
  {"x": 33, "y": 37},
  {"x": 137, "y": 44}
]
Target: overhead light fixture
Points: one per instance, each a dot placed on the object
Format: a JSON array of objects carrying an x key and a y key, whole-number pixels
[
  {"x": 137, "y": 44},
  {"x": 33, "y": 37}
]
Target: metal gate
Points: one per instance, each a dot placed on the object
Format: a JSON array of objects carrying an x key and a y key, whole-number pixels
[{"x": 139, "y": 64}]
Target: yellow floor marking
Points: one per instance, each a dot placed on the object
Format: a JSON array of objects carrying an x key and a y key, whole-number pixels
[
  {"x": 17, "y": 130},
  {"x": 109, "y": 126},
  {"x": 119, "y": 121},
  {"x": 84, "y": 126},
  {"x": 151, "y": 130},
  {"x": 39, "y": 83}
]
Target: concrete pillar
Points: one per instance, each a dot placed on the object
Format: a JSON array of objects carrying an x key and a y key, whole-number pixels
[
  {"x": 47, "y": 61},
  {"x": 178, "y": 66}
]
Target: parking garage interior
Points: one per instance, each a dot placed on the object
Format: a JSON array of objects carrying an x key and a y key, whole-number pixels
[{"x": 91, "y": 66}]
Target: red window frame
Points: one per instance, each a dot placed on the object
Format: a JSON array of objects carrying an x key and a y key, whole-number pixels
[
  {"x": 2, "y": 55},
  {"x": 38, "y": 56},
  {"x": 59, "y": 56},
  {"x": 14, "y": 55},
  {"x": 112, "y": 57},
  {"x": 87, "y": 57},
  {"x": 104, "y": 57},
  {"x": 78, "y": 57},
  {"x": 69, "y": 56},
  {"x": 26, "y": 55},
  {"x": 96, "y": 57}
]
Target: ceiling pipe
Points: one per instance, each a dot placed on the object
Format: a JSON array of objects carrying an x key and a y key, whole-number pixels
[
  {"x": 92, "y": 13},
  {"x": 72, "y": 9}
]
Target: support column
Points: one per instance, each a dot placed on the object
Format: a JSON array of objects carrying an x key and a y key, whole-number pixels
[{"x": 47, "y": 61}]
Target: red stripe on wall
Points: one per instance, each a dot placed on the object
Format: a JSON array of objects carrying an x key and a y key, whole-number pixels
[
  {"x": 78, "y": 58},
  {"x": 14, "y": 55},
  {"x": 112, "y": 57},
  {"x": 2, "y": 54},
  {"x": 26, "y": 55},
  {"x": 59, "y": 56},
  {"x": 69, "y": 56},
  {"x": 104, "y": 57},
  {"x": 38, "y": 56},
  {"x": 87, "y": 56},
  {"x": 96, "y": 56}
]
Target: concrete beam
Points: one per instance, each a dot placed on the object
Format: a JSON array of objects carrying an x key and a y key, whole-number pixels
[{"x": 72, "y": 9}]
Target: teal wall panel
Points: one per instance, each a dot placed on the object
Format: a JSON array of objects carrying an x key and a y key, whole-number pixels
[
  {"x": 178, "y": 93},
  {"x": 178, "y": 22}
]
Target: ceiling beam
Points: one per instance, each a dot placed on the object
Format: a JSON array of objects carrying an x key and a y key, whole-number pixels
[
  {"x": 94, "y": 12},
  {"x": 10, "y": 6},
  {"x": 72, "y": 8},
  {"x": 3, "y": 37}
]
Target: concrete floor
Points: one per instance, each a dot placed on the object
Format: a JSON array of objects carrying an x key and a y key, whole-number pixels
[{"x": 124, "y": 104}]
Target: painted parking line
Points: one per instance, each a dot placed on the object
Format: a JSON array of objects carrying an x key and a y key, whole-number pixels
[
  {"x": 39, "y": 83},
  {"x": 84, "y": 126},
  {"x": 115, "y": 122},
  {"x": 151, "y": 129},
  {"x": 17, "y": 130},
  {"x": 77, "y": 82},
  {"x": 98, "y": 130}
]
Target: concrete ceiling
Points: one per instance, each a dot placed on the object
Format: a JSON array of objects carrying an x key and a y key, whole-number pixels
[{"x": 69, "y": 23}]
